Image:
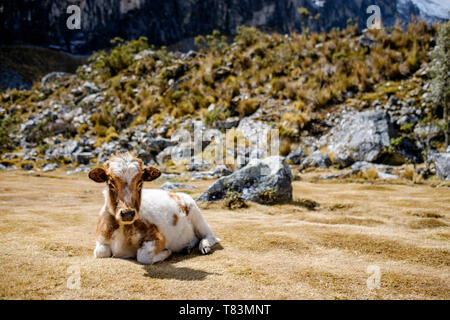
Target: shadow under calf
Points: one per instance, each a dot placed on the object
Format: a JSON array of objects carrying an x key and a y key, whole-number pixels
[{"x": 167, "y": 270}]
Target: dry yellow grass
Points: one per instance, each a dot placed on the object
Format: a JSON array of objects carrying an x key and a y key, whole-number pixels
[{"x": 267, "y": 252}]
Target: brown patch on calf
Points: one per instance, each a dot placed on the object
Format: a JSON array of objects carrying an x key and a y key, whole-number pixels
[
  {"x": 183, "y": 206},
  {"x": 175, "y": 219},
  {"x": 106, "y": 225},
  {"x": 148, "y": 232}
]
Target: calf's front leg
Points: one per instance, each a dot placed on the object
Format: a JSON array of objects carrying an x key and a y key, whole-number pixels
[
  {"x": 106, "y": 225},
  {"x": 102, "y": 250},
  {"x": 152, "y": 251}
]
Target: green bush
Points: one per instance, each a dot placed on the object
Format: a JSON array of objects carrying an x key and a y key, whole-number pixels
[
  {"x": 120, "y": 57},
  {"x": 440, "y": 72},
  {"x": 6, "y": 125}
]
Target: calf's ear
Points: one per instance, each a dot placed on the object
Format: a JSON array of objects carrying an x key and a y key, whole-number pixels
[
  {"x": 98, "y": 175},
  {"x": 151, "y": 173}
]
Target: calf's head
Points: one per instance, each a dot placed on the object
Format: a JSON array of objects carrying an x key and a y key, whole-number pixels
[{"x": 124, "y": 175}]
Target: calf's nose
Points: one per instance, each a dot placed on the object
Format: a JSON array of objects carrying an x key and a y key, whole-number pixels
[{"x": 127, "y": 215}]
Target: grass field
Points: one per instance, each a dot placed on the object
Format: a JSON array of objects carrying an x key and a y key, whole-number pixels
[{"x": 286, "y": 251}]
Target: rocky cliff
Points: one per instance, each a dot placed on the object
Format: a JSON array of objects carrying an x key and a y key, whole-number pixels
[{"x": 165, "y": 22}]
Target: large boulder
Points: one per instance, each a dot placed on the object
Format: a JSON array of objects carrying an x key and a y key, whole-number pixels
[
  {"x": 442, "y": 164},
  {"x": 264, "y": 181},
  {"x": 360, "y": 136}
]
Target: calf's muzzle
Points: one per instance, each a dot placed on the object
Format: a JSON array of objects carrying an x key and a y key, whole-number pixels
[{"x": 127, "y": 215}]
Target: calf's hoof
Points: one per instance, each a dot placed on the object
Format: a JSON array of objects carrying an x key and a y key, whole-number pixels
[
  {"x": 102, "y": 251},
  {"x": 205, "y": 246}
]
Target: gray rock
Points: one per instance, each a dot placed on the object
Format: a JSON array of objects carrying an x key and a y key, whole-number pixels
[
  {"x": 383, "y": 175},
  {"x": 366, "y": 40},
  {"x": 63, "y": 150},
  {"x": 442, "y": 164},
  {"x": 169, "y": 176},
  {"x": 28, "y": 166},
  {"x": 28, "y": 125},
  {"x": 92, "y": 100},
  {"x": 296, "y": 156},
  {"x": 332, "y": 176},
  {"x": 409, "y": 118},
  {"x": 229, "y": 123},
  {"x": 176, "y": 71},
  {"x": 2, "y": 167},
  {"x": 84, "y": 157},
  {"x": 383, "y": 171},
  {"x": 158, "y": 144},
  {"x": 221, "y": 73},
  {"x": 49, "y": 167},
  {"x": 202, "y": 176},
  {"x": 360, "y": 137},
  {"x": 175, "y": 185},
  {"x": 316, "y": 159},
  {"x": 253, "y": 129},
  {"x": 77, "y": 170},
  {"x": 90, "y": 87},
  {"x": 364, "y": 166},
  {"x": 221, "y": 171},
  {"x": 176, "y": 153},
  {"x": 51, "y": 77},
  {"x": 429, "y": 131},
  {"x": 189, "y": 55},
  {"x": 196, "y": 164},
  {"x": 264, "y": 181}
]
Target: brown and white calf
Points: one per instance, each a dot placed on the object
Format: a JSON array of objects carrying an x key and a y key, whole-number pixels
[{"x": 147, "y": 224}]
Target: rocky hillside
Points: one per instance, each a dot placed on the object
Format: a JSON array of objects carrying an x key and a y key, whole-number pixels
[
  {"x": 166, "y": 22},
  {"x": 343, "y": 99}
]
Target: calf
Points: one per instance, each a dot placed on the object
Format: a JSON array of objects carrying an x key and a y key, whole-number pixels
[{"x": 146, "y": 224}]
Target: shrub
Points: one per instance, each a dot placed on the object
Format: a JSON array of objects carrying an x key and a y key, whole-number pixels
[
  {"x": 247, "y": 107},
  {"x": 440, "y": 72},
  {"x": 407, "y": 127},
  {"x": 111, "y": 134},
  {"x": 6, "y": 125},
  {"x": 246, "y": 36},
  {"x": 120, "y": 57},
  {"x": 233, "y": 200}
]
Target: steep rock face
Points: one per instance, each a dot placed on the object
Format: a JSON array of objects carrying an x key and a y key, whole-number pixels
[
  {"x": 43, "y": 22},
  {"x": 428, "y": 10}
]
